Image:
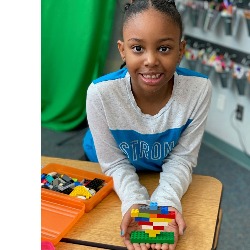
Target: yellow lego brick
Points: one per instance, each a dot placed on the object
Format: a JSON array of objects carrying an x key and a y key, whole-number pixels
[
  {"x": 81, "y": 191},
  {"x": 160, "y": 220},
  {"x": 134, "y": 212},
  {"x": 152, "y": 233}
]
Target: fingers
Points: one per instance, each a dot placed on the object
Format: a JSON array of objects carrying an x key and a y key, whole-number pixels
[
  {"x": 135, "y": 246},
  {"x": 124, "y": 232},
  {"x": 128, "y": 244},
  {"x": 125, "y": 223},
  {"x": 158, "y": 246},
  {"x": 181, "y": 223},
  {"x": 126, "y": 220},
  {"x": 171, "y": 247},
  {"x": 141, "y": 246},
  {"x": 153, "y": 246},
  {"x": 163, "y": 246}
]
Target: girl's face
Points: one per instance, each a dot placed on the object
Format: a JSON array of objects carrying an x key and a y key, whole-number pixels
[{"x": 151, "y": 49}]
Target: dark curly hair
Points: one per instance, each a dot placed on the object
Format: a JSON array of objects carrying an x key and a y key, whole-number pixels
[{"x": 166, "y": 7}]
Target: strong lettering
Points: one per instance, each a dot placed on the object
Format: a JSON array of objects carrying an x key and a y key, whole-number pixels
[{"x": 140, "y": 149}]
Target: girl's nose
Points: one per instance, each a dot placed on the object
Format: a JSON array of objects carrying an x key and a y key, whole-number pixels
[{"x": 151, "y": 59}]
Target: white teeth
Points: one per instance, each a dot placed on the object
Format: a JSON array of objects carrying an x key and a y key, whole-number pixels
[{"x": 152, "y": 76}]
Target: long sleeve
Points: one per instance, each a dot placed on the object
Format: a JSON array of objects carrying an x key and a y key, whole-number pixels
[
  {"x": 113, "y": 162},
  {"x": 176, "y": 174}
]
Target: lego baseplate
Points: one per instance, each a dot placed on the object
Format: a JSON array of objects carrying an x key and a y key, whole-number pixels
[{"x": 142, "y": 237}]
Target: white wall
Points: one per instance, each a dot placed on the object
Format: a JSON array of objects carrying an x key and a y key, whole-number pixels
[{"x": 224, "y": 100}]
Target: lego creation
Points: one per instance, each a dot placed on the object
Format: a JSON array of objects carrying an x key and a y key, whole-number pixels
[{"x": 152, "y": 219}]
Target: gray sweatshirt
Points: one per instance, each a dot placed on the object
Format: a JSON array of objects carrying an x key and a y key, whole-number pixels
[{"x": 125, "y": 140}]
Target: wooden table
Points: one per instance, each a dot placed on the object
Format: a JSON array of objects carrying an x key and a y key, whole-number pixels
[{"x": 100, "y": 228}]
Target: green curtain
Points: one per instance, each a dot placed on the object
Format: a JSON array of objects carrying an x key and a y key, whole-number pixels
[{"x": 75, "y": 36}]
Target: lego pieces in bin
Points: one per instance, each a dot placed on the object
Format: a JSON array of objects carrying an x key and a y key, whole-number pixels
[
  {"x": 65, "y": 184},
  {"x": 85, "y": 181},
  {"x": 66, "y": 188},
  {"x": 49, "y": 178},
  {"x": 95, "y": 184},
  {"x": 153, "y": 220},
  {"x": 66, "y": 178},
  {"x": 81, "y": 191}
]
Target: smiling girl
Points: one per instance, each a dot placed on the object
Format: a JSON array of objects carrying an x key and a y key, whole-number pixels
[{"x": 149, "y": 115}]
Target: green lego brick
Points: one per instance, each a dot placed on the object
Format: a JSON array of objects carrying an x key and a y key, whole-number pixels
[
  {"x": 142, "y": 237},
  {"x": 144, "y": 215}
]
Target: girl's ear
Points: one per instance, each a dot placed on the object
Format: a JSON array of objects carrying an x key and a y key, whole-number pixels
[
  {"x": 182, "y": 50},
  {"x": 120, "y": 45}
]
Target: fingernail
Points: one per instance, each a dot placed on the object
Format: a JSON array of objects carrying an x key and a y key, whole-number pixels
[{"x": 122, "y": 233}]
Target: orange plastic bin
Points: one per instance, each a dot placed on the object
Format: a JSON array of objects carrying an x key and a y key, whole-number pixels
[{"x": 59, "y": 212}]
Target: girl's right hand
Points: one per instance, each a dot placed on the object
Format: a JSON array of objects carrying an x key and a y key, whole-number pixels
[{"x": 128, "y": 225}]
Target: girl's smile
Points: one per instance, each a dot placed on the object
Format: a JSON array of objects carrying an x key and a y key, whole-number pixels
[{"x": 151, "y": 78}]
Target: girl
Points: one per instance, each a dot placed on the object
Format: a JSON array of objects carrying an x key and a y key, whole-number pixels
[{"x": 148, "y": 116}]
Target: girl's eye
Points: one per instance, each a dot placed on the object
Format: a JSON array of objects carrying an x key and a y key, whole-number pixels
[
  {"x": 137, "y": 49},
  {"x": 163, "y": 49}
]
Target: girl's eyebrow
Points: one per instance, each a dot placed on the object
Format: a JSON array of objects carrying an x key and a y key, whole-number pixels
[
  {"x": 134, "y": 40},
  {"x": 160, "y": 40}
]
